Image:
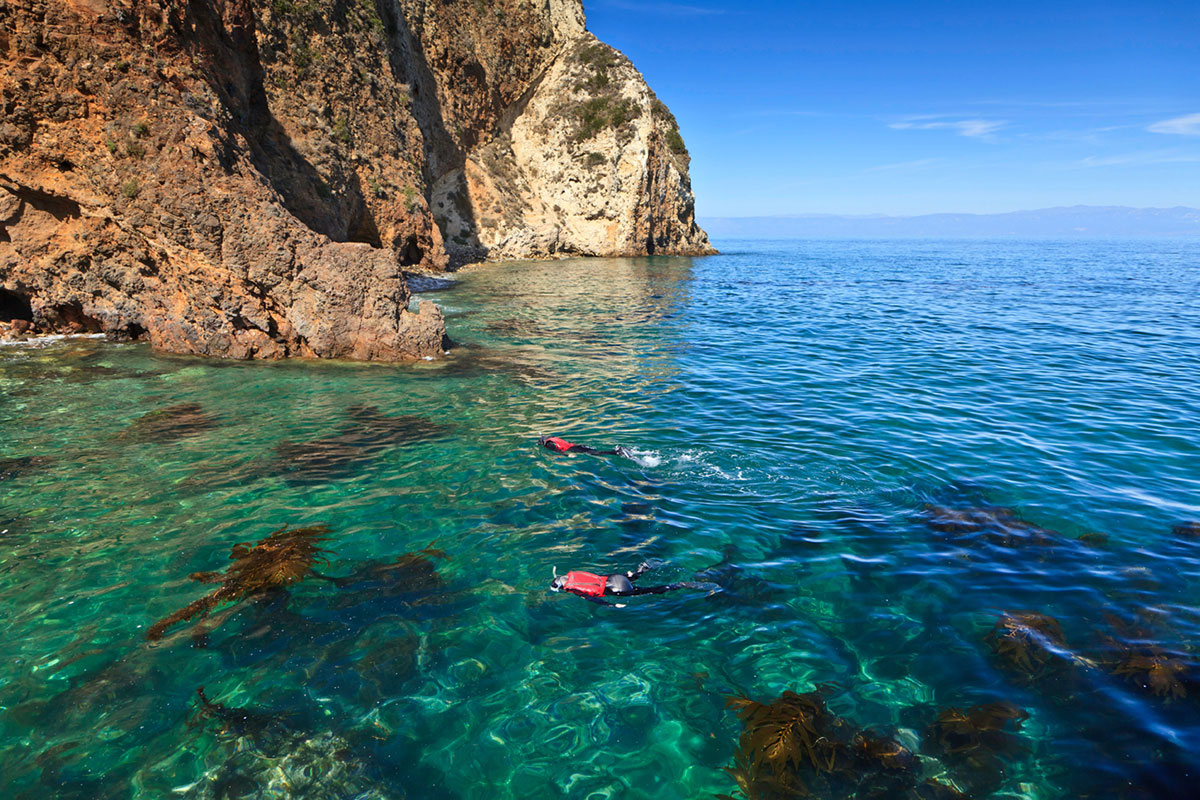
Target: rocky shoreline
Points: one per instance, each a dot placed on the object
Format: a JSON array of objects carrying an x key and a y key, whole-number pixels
[{"x": 252, "y": 178}]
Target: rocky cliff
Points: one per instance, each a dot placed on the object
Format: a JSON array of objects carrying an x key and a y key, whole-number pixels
[{"x": 250, "y": 178}]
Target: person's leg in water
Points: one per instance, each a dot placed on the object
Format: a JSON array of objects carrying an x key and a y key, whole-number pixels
[
  {"x": 591, "y": 451},
  {"x": 622, "y": 585}
]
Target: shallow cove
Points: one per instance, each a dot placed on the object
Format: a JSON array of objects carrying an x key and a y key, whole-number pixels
[{"x": 877, "y": 448}]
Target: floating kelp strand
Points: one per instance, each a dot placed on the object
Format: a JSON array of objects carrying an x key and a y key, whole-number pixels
[
  {"x": 1028, "y": 643},
  {"x": 267, "y": 729},
  {"x": 282, "y": 558}
]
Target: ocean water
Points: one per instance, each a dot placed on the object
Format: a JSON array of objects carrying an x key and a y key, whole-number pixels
[{"x": 875, "y": 449}]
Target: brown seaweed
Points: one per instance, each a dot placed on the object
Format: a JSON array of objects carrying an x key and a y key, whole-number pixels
[
  {"x": 994, "y": 525},
  {"x": 1028, "y": 643},
  {"x": 990, "y": 727},
  {"x": 233, "y": 721},
  {"x": 974, "y": 742},
  {"x": 795, "y": 746},
  {"x": 412, "y": 579},
  {"x": 1155, "y": 670},
  {"x": 1134, "y": 655},
  {"x": 16, "y": 467},
  {"x": 1187, "y": 530},
  {"x": 282, "y": 558},
  {"x": 171, "y": 423},
  {"x": 358, "y": 444}
]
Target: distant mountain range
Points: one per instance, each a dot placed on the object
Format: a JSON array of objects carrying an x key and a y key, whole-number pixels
[{"x": 1073, "y": 221}]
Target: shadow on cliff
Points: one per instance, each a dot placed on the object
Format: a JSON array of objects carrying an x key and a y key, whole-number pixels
[
  {"x": 443, "y": 154},
  {"x": 235, "y": 73}
]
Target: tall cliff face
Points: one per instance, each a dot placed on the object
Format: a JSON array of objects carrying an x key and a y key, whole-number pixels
[{"x": 249, "y": 178}]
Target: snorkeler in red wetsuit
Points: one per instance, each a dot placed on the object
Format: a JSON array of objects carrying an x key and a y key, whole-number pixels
[
  {"x": 593, "y": 587},
  {"x": 563, "y": 446}
]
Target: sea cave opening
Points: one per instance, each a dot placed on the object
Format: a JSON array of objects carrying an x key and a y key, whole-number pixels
[{"x": 14, "y": 306}]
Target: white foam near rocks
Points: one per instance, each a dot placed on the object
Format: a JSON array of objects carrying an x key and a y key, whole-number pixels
[{"x": 42, "y": 341}]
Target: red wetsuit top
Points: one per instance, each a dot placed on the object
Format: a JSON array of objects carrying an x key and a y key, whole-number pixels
[
  {"x": 586, "y": 583},
  {"x": 559, "y": 446}
]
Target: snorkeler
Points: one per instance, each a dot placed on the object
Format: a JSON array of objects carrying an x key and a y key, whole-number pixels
[
  {"x": 593, "y": 587},
  {"x": 563, "y": 446}
]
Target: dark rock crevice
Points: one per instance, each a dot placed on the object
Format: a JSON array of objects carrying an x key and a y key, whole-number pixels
[{"x": 15, "y": 306}]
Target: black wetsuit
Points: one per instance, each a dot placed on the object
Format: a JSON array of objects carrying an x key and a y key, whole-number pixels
[
  {"x": 562, "y": 446},
  {"x": 622, "y": 585}
]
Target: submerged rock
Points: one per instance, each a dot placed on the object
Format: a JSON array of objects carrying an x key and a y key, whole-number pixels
[
  {"x": 171, "y": 423},
  {"x": 16, "y": 467},
  {"x": 993, "y": 525},
  {"x": 1187, "y": 530},
  {"x": 347, "y": 452}
]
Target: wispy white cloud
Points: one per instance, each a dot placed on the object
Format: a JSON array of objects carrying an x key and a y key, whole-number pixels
[
  {"x": 904, "y": 166},
  {"x": 1092, "y": 136},
  {"x": 971, "y": 128},
  {"x": 1188, "y": 125},
  {"x": 1146, "y": 158},
  {"x": 671, "y": 9}
]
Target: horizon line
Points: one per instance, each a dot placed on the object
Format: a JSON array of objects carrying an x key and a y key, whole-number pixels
[{"x": 884, "y": 215}]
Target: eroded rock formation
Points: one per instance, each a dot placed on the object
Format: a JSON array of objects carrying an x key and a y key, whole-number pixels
[{"x": 250, "y": 178}]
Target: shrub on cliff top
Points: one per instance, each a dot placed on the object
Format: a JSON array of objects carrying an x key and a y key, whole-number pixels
[
  {"x": 674, "y": 139},
  {"x": 599, "y": 113}
]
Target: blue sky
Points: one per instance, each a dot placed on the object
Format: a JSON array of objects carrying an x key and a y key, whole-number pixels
[{"x": 920, "y": 107}]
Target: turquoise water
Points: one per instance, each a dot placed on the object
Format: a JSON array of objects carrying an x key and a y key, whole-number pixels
[{"x": 876, "y": 449}]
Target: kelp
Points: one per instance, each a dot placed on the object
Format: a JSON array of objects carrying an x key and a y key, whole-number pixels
[
  {"x": 1155, "y": 670},
  {"x": 795, "y": 746},
  {"x": 171, "y": 423},
  {"x": 411, "y": 579},
  {"x": 344, "y": 454},
  {"x": 264, "y": 727},
  {"x": 991, "y": 727},
  {"x": 1134, "y": 655},
  {"x": 975, "y": 742},
  {"x": 16, "y": 467},
  {"x": 282, "y": 558},
  {"x": 995, "y": 525},
  {"x": 1027, "y": 643},
  {"x": 1186, "y": 530}
]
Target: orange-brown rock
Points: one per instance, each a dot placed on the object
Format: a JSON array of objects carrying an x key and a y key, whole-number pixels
[{"x": 250, "y": 178}]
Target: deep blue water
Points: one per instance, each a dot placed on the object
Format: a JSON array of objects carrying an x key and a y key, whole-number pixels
[{"x": 876, "y": 449}]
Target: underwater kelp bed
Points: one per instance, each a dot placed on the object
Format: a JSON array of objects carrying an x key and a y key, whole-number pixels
[
  {"x": 171, "y": 423},
  {"x": 950, "y": 506},
  {"x": 796, "y": 747},
  {"x": 282, "y": 558}
]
